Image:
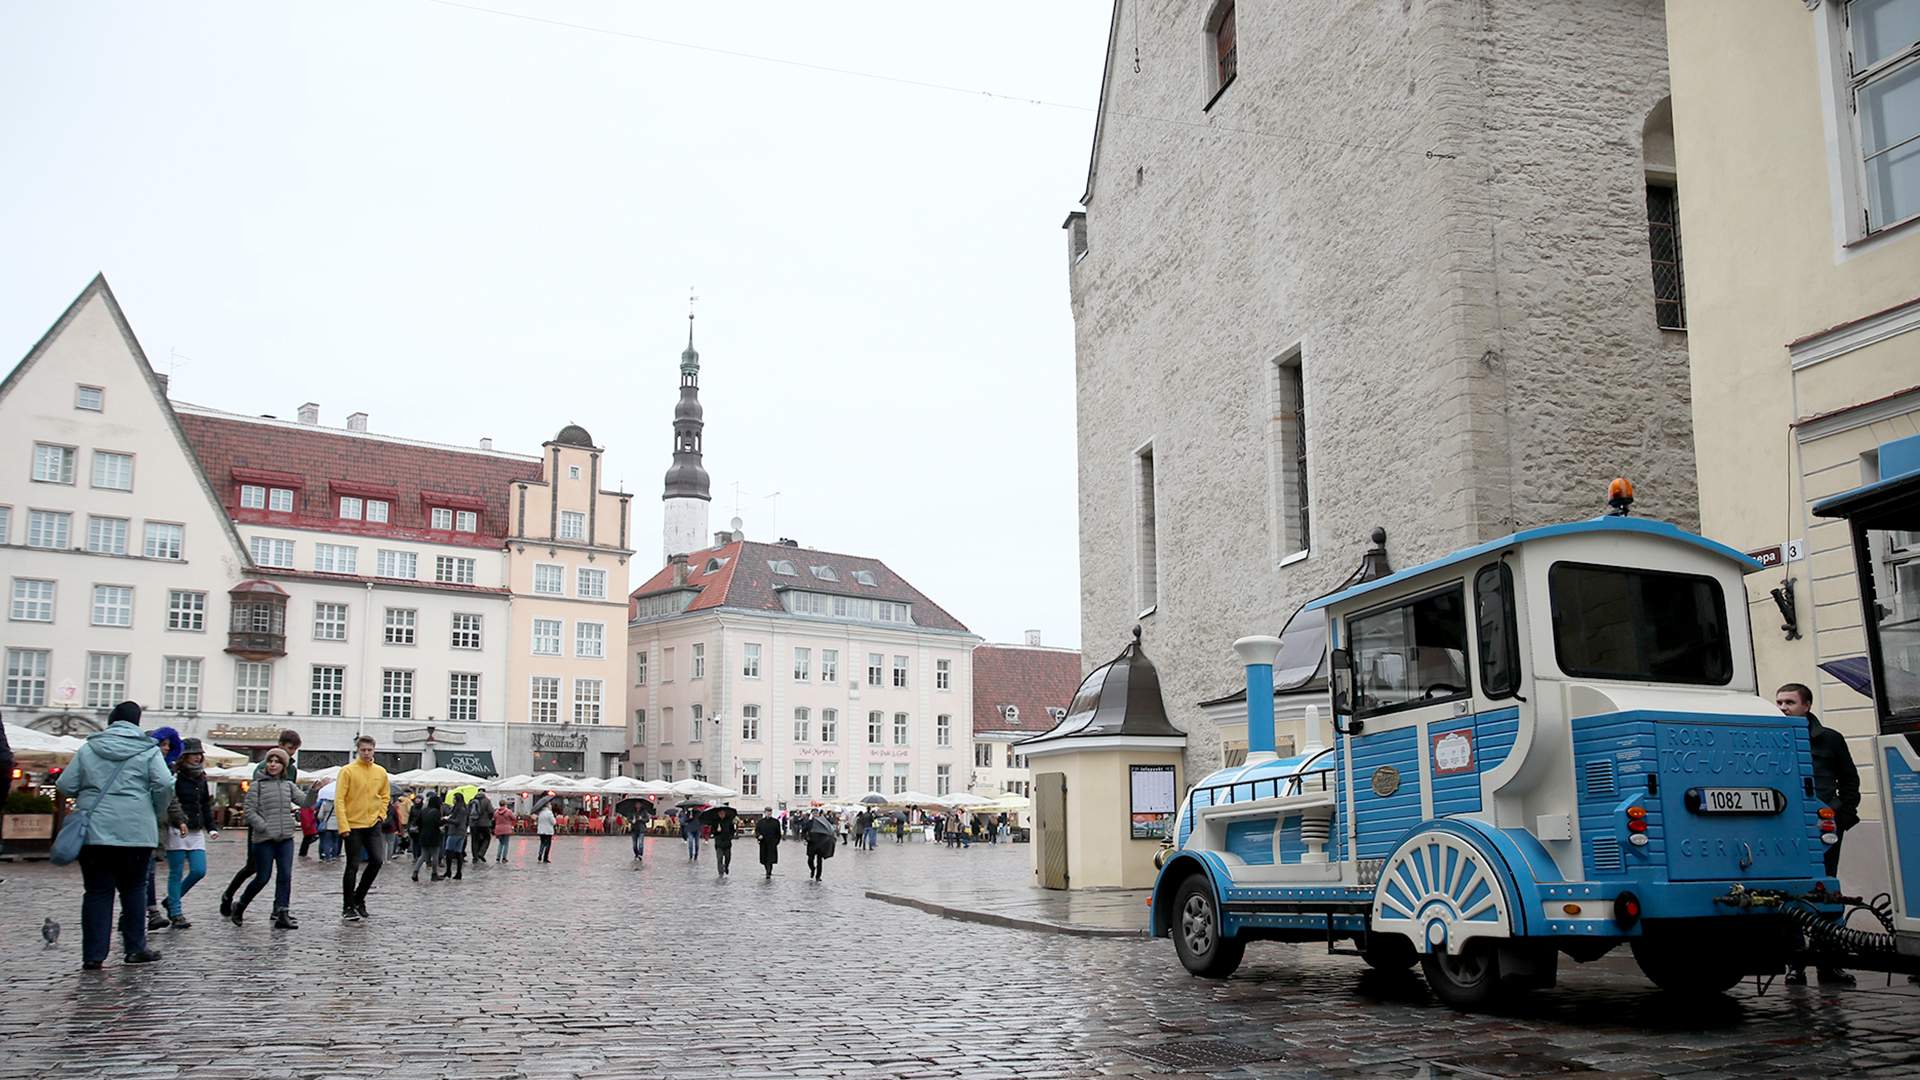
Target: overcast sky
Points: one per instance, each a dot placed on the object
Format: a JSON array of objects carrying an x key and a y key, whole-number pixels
[{"x": 468, "y": 224}]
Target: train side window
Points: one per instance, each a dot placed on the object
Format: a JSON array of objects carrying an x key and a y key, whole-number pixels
[
  {"x": 1499, "y": 631},
  {"x": 1411, "y": 654}
]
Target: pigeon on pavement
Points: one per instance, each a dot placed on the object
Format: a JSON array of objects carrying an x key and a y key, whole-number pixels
[{"x": 50, "y": 930}]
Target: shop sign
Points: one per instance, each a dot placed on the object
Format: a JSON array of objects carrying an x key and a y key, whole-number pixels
[
  {"x": 249, "y": 733},
  {"x": 1769, "y": 557},
  {"x": 557, "y": 741},
  {"x": 471, "y": 762},
  {"x": 27, "y": 826}
]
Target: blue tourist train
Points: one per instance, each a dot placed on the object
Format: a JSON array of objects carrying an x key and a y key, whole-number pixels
[{"x": 1547, "y": 745}]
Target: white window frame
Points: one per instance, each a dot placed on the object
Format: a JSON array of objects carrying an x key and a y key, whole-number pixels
[
  {"x": 336, "y": 559},
  {"x": 573, "y": 525},
  {"x": 549, "y": 574},
  {"x": 943, "y": 731},
  {"x": 253, "y": 497},
  {"x": 876, "y": 727},
  {"x": 802, "y": 664},
  {"x": 803, "y": 780},
  {"x": 829, "y": 779},
  {"x": 33, "y": 600},
  {"x": 280, "y": 500},
  {"x": 589, "y": 640},
  {"x": 749, "y": 778},
  {"x": 168, "y": 540},
  {"x": 26, "y": 678},
  {"x": 543, "y": 699},
  {"x": 271, "y": 551},
  {"x": 750, "y": 723},
  {"x": 548, "y": 635},
  {"x": 440, "y": 518},
  {"x": 106, "y": 679},
  {"x": 388, "y": 562},
  {"x": 640, "y": 668},
  {"x": 110, "y": 462},
  {"x": 902, "y": 729},
  {"x": 900, "y": 667},
  {"x": 351, "y": 508},
  {"x": 466, "y": 631},
  {"x": 943, "y": 779},
  {"x": 327, "y": 689},
  {"x": 50, "y": 525},
  {"x": 252, "y": 687},
  {"x": 97, "y": 402},
  {"x": 116, "y": 539},
  {"x": 454, "y": 569},
  {"x": 829, "y": 666},
  {"x": 1846, "y": 165},
  {"x": 943, "y": 675},
  {"x": 466, "y": 521},
  {"x": 983, "y": 755},
  {"x": 180, "y": 680},
  {"x": 396, "y": 693},
  {"x": 187, "y": 610},
  {"x": 54, "y": 463},
  {"x": 697, "y": 662},
  {"x": 595, "y": 591},
  {"x": 750, "y": 660},
  {"x": 876, "y": 669},
  {"x": 829, "y": 725},
  {"x": 400, "y": 626},
  {"x": 876, "y": 778},
  {"x": 463, "y": 696},
  {"x": 325, "y": 626},
  {"x": 112, "y": 606},
  {"x": 697, "y": 724},
  {"x": 802, "y": 724}
]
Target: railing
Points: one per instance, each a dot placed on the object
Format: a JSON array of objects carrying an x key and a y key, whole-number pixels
[{"x": 1278, "y": 787}]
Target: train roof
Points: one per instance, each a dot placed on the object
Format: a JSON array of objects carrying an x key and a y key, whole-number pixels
[{"x": 1600, "y": 525}]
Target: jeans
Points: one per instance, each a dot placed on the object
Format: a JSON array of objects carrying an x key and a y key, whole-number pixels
[
  {"x": 693, "y": 845},
  {"x": 363, "y": 845},
  {"x": 872, "y": 837},
  {"x": 153, "y": 892},
  {"x": 428, "y": 854},
  {"x": 546, "y": 847},
  {"x": 107, "y": 871},
  {"x": 184, "y": 871},
  {"x": 502, "y": 842},
  {"x": 329, "y": 845},
  {"x": 271, "y": 858},
  {"x": 723, "y": 856},
  {"x": 639, "y": 845}
]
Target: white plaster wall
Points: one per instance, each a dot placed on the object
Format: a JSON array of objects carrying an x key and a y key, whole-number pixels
[
  {"x": 684, "y": 526},
  {"x": 1476, "y": 326}
]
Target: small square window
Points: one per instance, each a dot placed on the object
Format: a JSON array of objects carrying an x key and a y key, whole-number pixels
[
  {"x": 442, "y": 518},
  {"x": 350, "y": 508},
  {"x": 90, "y": 398},
  {"x": 253, "y": 497},
  {"x": 466, "y": 521},
  {"x": 377, "y": 510},
  {"x": 280, "y": 500}
]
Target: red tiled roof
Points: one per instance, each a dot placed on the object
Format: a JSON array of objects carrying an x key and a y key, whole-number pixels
[
  {"x": 324, "y": 463},
  {"x": 1030, "y": 678},
  {"x": 745, "y": 580}
]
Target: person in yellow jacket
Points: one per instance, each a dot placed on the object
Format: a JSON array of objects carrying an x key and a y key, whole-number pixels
[{"x": 360, "y": 800}]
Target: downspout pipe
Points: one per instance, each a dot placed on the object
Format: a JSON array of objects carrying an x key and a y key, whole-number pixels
[{"x": 1258, "y": 654}]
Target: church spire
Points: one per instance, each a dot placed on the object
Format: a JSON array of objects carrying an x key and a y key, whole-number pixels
[{"x": 687, "y": 494}]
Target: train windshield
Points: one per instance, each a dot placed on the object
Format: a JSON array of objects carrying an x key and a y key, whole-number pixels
[{"x": 1639, "y": 625}]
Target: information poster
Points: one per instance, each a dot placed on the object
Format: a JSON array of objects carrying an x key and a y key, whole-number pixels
[{"x": 1153, "y": 801}]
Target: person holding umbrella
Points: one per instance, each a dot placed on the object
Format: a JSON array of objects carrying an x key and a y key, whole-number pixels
[
  {"x": 721, "y": 820},
  {"x": 767, "y": 831},
  {"x": 642, "y": 814},
  {"x": 820, "y": 840},
  {"x": 690, "y": 830}
]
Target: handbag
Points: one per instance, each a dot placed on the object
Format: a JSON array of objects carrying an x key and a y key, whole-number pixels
[{"x": 73, "y": 831}]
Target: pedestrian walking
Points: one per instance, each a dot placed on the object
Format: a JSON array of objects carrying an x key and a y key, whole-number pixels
[
  {"x": 454, "y": 827},
  {"x": 767, "y": 831},
  {"x": 360, "y": 797},
  {"x": 187, "y": 852},
  {"x": 167, "y": 822},
  {"x": 427, "y": 822},
  {"x": 289, "y": 745},
  {"x": 820, "y": 839},
  {"x": 480, "y": 813},
  {"x": 329, "y": 824},
  {"x": 638, "y": 827},
  {"x": 270, "y": 828},
  {"x": 1836, "y": 780},
  {"x": 502, "y": 829},
  {"x": 543, "y": 827},
  {"x": 309, "y": 821},
  {"x": 723, "y": 829},
  {"x": 870, "y": 830},
  {"x": 690, "y": 830},
  {"x": 900, "y": 827},
  {"x": 403, "y": 823},
  {"x": 119, "y": 776}
]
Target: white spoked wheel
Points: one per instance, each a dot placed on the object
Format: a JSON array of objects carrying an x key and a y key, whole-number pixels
[{"x": 1440, "y": 892}]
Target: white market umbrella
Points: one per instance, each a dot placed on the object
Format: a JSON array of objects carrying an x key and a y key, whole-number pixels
[
  {"x": 965, "y": 798},
  {"x": 627, "y": 785},
  {"x": 404, "y": 777},
  {"x": 439, "y": 777},
  {"x": 1010, "y": 801},
  {"x": 537, "y": 782},
  {"x": 25, "y": 741},
  {"x": 231, "y": 773},
  {"x": 914, "y": 798},
  {"x": 700, "y": 789},
  {"x": 319, "y": 776},
  {"x": 220, "y": 755},
  {"x": 515, "y": 782}
]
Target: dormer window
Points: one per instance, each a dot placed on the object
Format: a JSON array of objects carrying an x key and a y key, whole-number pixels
[
  {"x": 441, "y": 518},
  {"x": 466, "y": 521},
  {"x": 1012, "y": 713},
  {"x": 350, "y": 508},
  {"x": 714, "y": 565},
  {"x": 863, "y": 577},
  {"x": 824, "y": 573},
  {"x": 261, "y": 497},
  {"x": 378, "y": 510},
  {"x": 1058, "y": 714},
  {"x": 782, "y": 567},
  {"x": 1223, "y": 59}
]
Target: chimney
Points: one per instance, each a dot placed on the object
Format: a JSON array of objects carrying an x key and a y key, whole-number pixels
[
  {"x": 164, "y": 379},
  {"x": 722, "y": 538},
  {"x": 1033, "y": 637},
  {"x": 679, "y": 564},
  {"x": 486, "y": 444},
  {"x": 357, "y": 421},
  {"x": 310, "y": 413}
]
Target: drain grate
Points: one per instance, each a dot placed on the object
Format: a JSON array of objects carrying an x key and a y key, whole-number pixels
[{"x": 1201, "y": 1053}]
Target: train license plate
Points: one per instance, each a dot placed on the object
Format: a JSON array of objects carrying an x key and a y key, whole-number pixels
[{"x": 1739, "y": 801}]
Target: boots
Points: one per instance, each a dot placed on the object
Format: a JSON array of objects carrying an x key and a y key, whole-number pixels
[
  {"x": 283, "y": 919},
  {"x": 236, "y": 910},
  {"x": 156, "y": 920},
  {"x": 459, "y": 867},
  {"x": 226, "y": 902}
]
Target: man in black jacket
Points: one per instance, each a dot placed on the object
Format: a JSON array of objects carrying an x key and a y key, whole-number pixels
[{"x": 1837, "y": 781}]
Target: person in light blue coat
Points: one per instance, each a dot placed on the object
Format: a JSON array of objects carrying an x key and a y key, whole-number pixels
[{"x": 121, "y": 779}]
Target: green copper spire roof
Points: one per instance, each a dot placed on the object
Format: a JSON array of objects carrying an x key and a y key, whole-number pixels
[{"x": 690, "y": 358}]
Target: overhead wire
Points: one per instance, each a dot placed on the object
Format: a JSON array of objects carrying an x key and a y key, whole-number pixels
[{"x": 949, "y": 88}]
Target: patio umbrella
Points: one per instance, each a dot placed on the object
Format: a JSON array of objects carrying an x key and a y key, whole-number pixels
[
  {"x": 404, "y": 778},
  {"x": 965, "y": 798},
  {"x": 914, "y": 798},
  {"x": 319, "y": 776},
  {"x": 873, "y": 798},
  {"x": 439, "y": 778},
  {"x": 27, "y": 742},
  {"x": 1011, "y": 801},
  {"x": 700, "y": 789},
  {"x": 220, "y": 755}
]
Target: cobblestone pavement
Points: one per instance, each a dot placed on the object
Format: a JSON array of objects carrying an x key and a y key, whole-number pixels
[{"x": 587, "y": 968}]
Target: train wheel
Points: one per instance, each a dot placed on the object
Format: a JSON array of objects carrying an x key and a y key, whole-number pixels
[
  {"x": 1203, "y": 949},
  {"x": 1468, "y": 981},
  {"x": 1682, "y": 970}
]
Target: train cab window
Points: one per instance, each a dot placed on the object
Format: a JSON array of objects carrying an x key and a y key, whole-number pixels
[
  {"x": 1499, "y": 631},
  {"x": 1411, "y": 654},
  {"x": 1640, "y": 625}
]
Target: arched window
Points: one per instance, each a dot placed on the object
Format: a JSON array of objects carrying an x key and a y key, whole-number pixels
[
  {"x": 1663, "y": 218},
  {"x": 1221, "y": 54}
]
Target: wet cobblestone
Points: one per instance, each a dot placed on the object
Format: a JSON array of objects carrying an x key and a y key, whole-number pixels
[{"x": 585, "y": 967}]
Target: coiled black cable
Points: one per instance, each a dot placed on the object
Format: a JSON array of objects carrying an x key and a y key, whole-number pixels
[{"x": 1819, "y": 927}]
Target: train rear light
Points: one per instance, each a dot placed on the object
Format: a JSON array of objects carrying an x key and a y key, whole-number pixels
[
  {"x": 1636, "y": 826},
  {"x": 1826, "y": 826},
  {"x": 1826, "y": 813},
  {"x": 1626, "y": 910},
  {"x": 1638, "y": 839},
  {"x": 1636, "y": 813}
]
